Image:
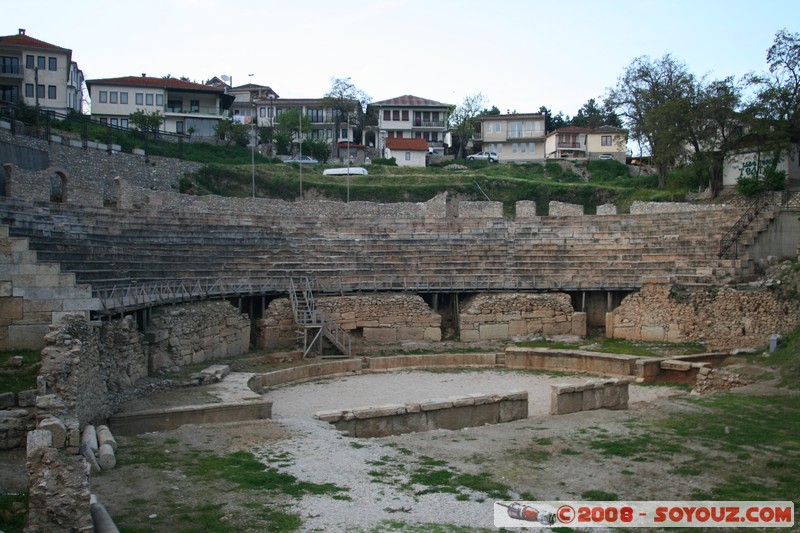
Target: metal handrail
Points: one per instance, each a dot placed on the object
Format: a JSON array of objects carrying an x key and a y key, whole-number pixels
[{"x": 731, "y": 239}]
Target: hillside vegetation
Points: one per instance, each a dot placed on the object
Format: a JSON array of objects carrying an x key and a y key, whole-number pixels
[{"x": 588, "y": 184}]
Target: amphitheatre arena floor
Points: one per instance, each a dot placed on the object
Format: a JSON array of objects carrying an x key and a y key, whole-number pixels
[{"x": 543, "y": 457}]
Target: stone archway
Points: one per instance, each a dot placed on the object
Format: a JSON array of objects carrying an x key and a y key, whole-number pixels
[{"x": 58, "y": 184}]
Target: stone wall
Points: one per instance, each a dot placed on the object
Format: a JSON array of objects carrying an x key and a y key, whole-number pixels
[
  {"x": 722, "y": 318},
  {"x": 519, "y": 316},
  {"x": 525, "y": 209},
  {"x": 561, "y": 209},
  {"x": 92, "y": 367},
  {"x": 196, "y": 333},
  {"x": 648, "y": 208},
  {"x": 610, "y": 394},
  {"x": 34, "y": 295},
  {"x": 59, "y": 497},
  {"x": 607, "y": 209},
  {"x": 469, "y": 209},
  {"x": 455, "y": 412},
  {"x": 91, "y": 171},
  {"x": 374, "y": 319}
]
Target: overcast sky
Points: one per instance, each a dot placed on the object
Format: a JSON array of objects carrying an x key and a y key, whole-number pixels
[{"x": 521, "y": 54}]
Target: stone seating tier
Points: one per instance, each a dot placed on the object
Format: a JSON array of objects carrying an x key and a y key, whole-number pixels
[{"x": 112, "y": 246}]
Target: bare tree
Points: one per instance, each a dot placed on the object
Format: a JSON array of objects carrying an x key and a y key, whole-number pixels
[
  {"x": 462, "y": 119},
  {"x": 346, "y": 100}
]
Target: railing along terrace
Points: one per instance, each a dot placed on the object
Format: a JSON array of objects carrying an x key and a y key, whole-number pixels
[
  {"x": 729, "y": 244},
  {"x": 123, "y": 296}
]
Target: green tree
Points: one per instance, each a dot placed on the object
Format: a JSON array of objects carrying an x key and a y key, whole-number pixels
[
  {"x": 318, "y": 149},
  {"x": 775, "y": 109},
  {"x": 593, "y": 115},
  {"x": 290, "y": 125},
  {"x": 462, "y": 119},
  {"x": 652, "y": 97},
  {"x": 148, "y": 123},
  {"x": 232, "y": 132}
]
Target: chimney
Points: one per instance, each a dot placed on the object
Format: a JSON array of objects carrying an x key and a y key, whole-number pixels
[
  {"x": 22, "y": 31},
  {"x": 144, "y": 74}
]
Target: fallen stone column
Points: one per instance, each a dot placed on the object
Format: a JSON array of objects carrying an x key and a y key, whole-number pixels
[
  {"x": 89, "y": 437},
  {"x": 101, "y": 520},
  {"x": 88, "y": 454},
  {"x": 106, "y": 458},
  {"x": 104, "y": 436}
]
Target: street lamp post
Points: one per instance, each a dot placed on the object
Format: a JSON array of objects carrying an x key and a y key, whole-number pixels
[
  {"x": 348, "y": 158},
  {"x": 300, "y": 135},
  {"x": 253, "y": 139}
]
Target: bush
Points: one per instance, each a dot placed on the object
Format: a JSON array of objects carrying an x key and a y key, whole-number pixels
[
  {"x": 390, "y": 162},
  {"x": 606, "y": 171}
]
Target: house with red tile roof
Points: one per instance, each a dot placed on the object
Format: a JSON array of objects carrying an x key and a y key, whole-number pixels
[
  {"x": 407, "y": 152},
  {"x": 411, "y": 117},
  {"x": 37, "y": 73},
  {"x": 186, "y": 106}
]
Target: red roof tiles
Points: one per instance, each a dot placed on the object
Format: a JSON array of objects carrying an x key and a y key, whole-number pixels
[
  {"x": 160, "y": 83},
  {"x": 409, "y": 100},
  {"x": 394, "y": 143}
]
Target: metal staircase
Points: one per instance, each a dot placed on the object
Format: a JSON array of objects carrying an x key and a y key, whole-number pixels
[
  {"x": 314, "y": 327},
  {"x": 730, "y": 243}
]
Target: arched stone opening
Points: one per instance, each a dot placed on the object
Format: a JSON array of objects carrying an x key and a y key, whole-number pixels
[{"x": 58, "y": 185}]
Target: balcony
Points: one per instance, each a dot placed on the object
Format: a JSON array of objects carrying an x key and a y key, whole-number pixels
[
  {"x": 11, "y": 71},
  {"x": 428, "y": 123},
  {"x": 525, "y": 134},
  {"x": 192, "y": 110},
  {"x": 571, "y": 146}
]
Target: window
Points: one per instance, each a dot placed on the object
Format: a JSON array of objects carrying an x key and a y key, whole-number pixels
[
  {"x": 396, "y": 114},
  {"x": 262, "y": 111},
  {"x": 514, "y": 148},
  {"x": 532, "y": 148},
  {"x": 179, "y": 127},
  {"x": 40, "y": 62},
  {"x": 175, "y": 106},
  {"x": 103, "y": 97},
  {"x": 52, "y": 63},
  {"x": 114, "y": 122},
  {"x": 9, "y": 65},
  {"x": 418, "y": 135},
  {"x": 113, "y": 97},
  {"x": 103, "y": 120},
  {"x": 123, "y": 98},
  {"x": 28, "y": 90},
  {"x": 344, "y": 134},
  {"x": 387, "y": 115},
  {"x": 434, "y": 136},
  {"x": 149, "y": 98},
  {"x": 40, "y": 91},
  {"x": 523, "y": 147},
  {"x": 398, "y": 134},
  {"x": 316, "y": 115},
  {"x": 405, "y": 115},
  {"x": 160, "y": 100},
  {"x": 497, "y": 127},
  {"x": 123, "y": 122},
  {"x": 605, "y": 140},
  {"x": 499, "y": 148},
  {"x": 408, "y": 156},
  {"x": 29, "y": 62},
  {"x": 139, "y": 98},
  {"x": 52, "y": 93}
]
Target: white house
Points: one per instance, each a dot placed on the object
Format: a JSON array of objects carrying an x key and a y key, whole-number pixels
[
  {"x": 38, "y": 73},
  {"x": 515, "y": 137},
  {"x": 412, "y": 117},
  {"x": 407, "y": 152},
  {"x": 185, "y": 106}
]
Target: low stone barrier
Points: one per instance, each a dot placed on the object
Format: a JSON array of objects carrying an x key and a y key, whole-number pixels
[
  {"x": 300, "y": 373},
  {"x": 455, "y": 412},
  {"x": 377, "y": 364},
  {"x": 610, "y": 394},
  {"x": 571, "y": 360},
  {"x": 171, "y": 418}
]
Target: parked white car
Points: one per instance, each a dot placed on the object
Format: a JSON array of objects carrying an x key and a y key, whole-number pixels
[
  {"x": 491, "y": 157},
  {"x": 304, "y": 159},
  {"x": 353, "y": 171}
]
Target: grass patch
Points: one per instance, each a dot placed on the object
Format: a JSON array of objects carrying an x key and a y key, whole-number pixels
[
  {"x": 787, "y": 359},
  {"x": 13, "y": 512},
  {"x": 635, "y": 446},
  {"x": 19, "y": 378},
  {"x": 620, "y": 346},
  {"x": 599, "y": 495}
]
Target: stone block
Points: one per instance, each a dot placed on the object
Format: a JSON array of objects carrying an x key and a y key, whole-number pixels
[
  {"x": 435, "y": 404},
  {"x": 410, "y": 333},
  {"x": 329, "y": 416},
  {"x": 380, "y": 335},
  {"x": 379, "y": 411},
  {"x": 37, "y": 439},
  {"x": 27, "y": 398},
  {"x": 57, "y": 428},
  {"x": 578, "y": 324},
  {"x": 374, "y": 427},
  {"x": 433, "y": 334},
  {"x": 674, "y": 364},
  {"x": 493, "y": 332},
  {"x": 469, "y": 335},
  {"x": 7, "y": 400},
  {"x": 510, "y": 410},
  {"x": 412, "y": 422}
]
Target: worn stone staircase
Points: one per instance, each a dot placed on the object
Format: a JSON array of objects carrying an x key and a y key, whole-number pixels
[{"x": 314, "y": 326}]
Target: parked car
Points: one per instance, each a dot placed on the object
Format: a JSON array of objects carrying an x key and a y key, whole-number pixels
[
  {"x": 605, "y": 157},
  {"x": 491, "y": 157},
  {"x": 304, "y": 159},
  {"x": 353, "y": 171}
]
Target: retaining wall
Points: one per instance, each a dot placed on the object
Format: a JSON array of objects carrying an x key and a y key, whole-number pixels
[
  {"x": 610, "y": 394},
  {"x": 455, "y": 412},
  {"x": 571, "y": 360}
]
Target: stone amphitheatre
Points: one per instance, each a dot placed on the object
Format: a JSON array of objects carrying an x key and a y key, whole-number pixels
[{"x": 121, "y": 282}]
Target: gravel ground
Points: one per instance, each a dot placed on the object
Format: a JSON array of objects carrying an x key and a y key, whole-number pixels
[{"x": 321, "y": 455}]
